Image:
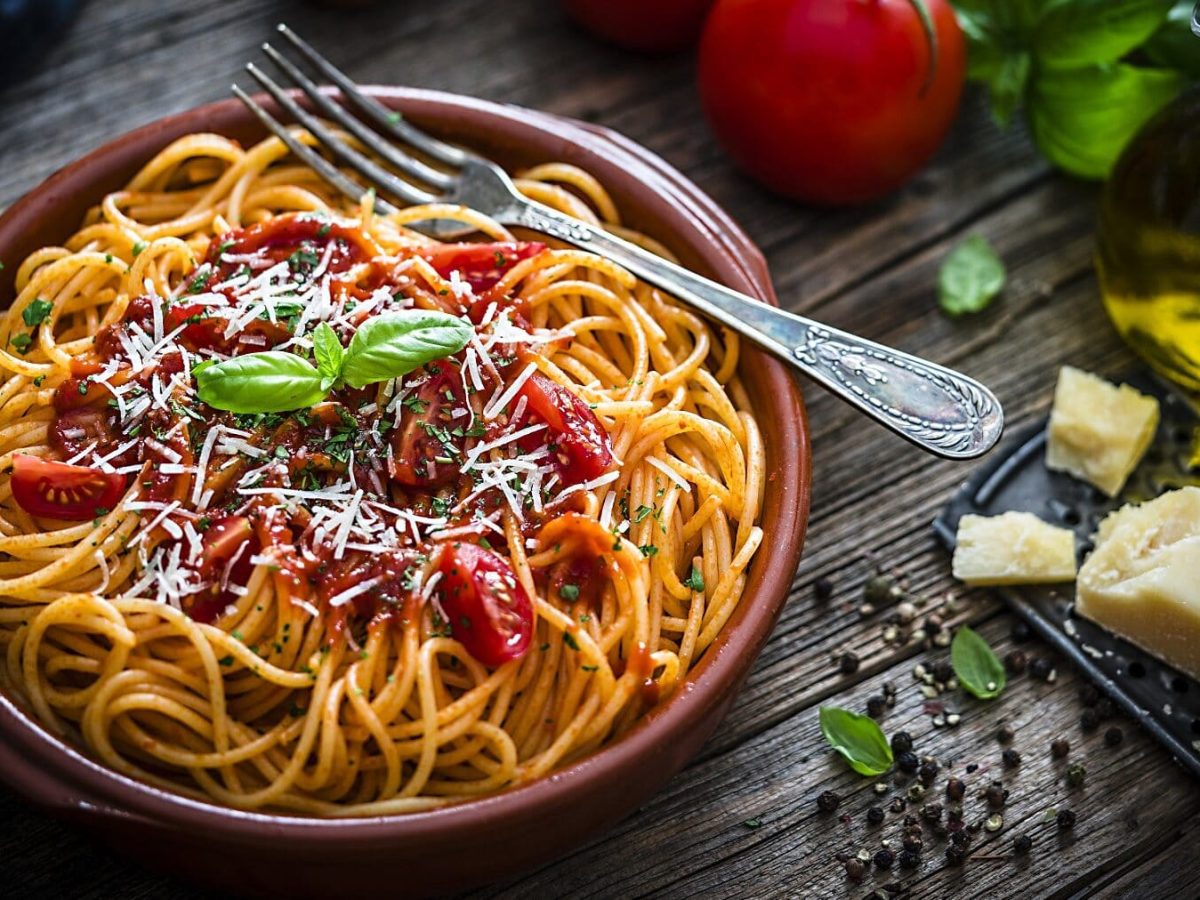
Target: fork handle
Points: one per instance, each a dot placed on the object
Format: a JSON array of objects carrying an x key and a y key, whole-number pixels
[{"x": 938, "y": 409}]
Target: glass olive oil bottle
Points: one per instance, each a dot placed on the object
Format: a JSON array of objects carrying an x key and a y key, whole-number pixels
[{"x": 1148, "y": 247}]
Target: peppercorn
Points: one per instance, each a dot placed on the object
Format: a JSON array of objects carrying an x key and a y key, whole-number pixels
[
  {"x": 898, "y": 805},
  {"x": 1060, "y": 748},
  {"x": 956, "y": 788},
  {"x": 1065, "y": 819},
  {"x": 972, "y": 768},
  {"x": 1113, "y": 736},
  {"x": 910, "y": 821},
  {"x": 828, "y": 801},
  {"x": 884, "y": 858},
  {"x": 1011, "y": 758},
  {"x": 908, "y": 859},
  {"x": 907, "y": 762},
  {"x": 1021, "y": 632},
  {"x": 1076, "y": 774},
  {"x": 1005, "y": 734},
  {"x": 996, "y": 795},
  {"x": 875, "y": 815},
  {"x": 855, "y": 870},
  {"x": 880, "y": 589},
  {"x": 955, "y": 856},
  {"x": 848, "y": 663},
  {"x": 931, "y": 812},
  {"x": 1090, "y": 720},
  {"x": 928, "y": 772},
  {"x": 942, "y": 671},
  {"x": 916, "y": 792},
  {"x": 1023, "y": 843},
  {"x": 960, "y": 838},
  {"x": 933, "y": 624},
  {"x": 1105, "y": 708},
  {"x": 901, "y": 742},
  {"x": 1089, "y": 694},
  {"x": 823, "y": 588},
  {"x": 1041, "y": 668},
  {"x": 875, "y": 705},
  {"x": 1015, "y": 661},
  {"x": 912, "y": 843}
]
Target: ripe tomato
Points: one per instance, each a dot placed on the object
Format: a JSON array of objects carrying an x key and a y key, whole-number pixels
[
  {"x": 56, "y": 490},
  {"x": 481, "y": 265},
  {"x": 221, "y": 542},
  {"x": 830, "y": 101},
  {"x": 659, "y": 26},
  {"x": 583, "y": 447},
  {"x": 489, "y": 612},
  {"x": 420, "y": 457}
]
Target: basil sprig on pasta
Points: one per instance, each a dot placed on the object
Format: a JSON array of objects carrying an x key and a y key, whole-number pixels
[{"x": 384, "y": 347}]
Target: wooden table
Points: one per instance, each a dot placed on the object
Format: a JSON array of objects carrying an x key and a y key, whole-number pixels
[{"x": 743, "y": 818}]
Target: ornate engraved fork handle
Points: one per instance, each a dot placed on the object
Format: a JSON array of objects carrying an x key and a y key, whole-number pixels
[{"x": 936, "y": 408}]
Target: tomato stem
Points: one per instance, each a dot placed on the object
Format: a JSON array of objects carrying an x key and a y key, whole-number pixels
[{"x": 927, "y": 26}]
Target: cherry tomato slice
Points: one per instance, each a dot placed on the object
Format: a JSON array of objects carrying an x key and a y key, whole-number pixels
[
  {"x": 583, "y": 447},
  {"x": 56, "y": 490},
  {"x": 221, "y": 542},
  {"x": 480, "y": 265},
  {"x": 489, "y": 612},
  {"x": 420, "y": 457},
  {"x": 224, "y": 540}
]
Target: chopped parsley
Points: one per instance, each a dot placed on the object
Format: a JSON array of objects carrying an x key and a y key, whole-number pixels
[{"x": 35, "y": 313}]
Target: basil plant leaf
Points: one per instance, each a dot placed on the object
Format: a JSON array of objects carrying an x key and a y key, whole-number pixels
[
  {"x": 1082, "y": 118},
  {"x": 970, "y": 277},
  {"x": 1174, "y": 46},
  {"x": 857, "y": 738},
  {"x": 1006, "y": 87},
  {"x": 395, "y": 344},
  {"x": 975, "y": 665},
  {"x": 1084, "y": 32},
  {"x": 272, "y": 381},
  {"x": 328, "y": 352}
]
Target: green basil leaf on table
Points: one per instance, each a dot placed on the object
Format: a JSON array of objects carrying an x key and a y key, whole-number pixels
[
  {"x": 272, "y": 381},
  {"x": 1174, "y": 46},
  {"x": 1082, "y": 118},
  {"x": 1073, "y": 33},
  {"x": 970, "y": 277},
  {"x": 328, "y": 352},
  {"x": 977, "y": 668},
  {"x": 395, "y": 344},
  {"x": 857, "y": 738}
]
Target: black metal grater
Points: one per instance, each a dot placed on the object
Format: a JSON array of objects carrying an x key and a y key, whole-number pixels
[{"x": 1161, "y": 699}]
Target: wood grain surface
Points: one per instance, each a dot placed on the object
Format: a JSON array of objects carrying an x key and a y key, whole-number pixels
[{"x": 742, "y": 820}]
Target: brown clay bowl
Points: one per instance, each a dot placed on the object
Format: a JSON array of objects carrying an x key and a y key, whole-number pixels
[{"x": 469, "y": 844}]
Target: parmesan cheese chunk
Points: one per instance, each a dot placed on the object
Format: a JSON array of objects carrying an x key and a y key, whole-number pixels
[
  {"x": 1142, "y": 582},
  {"x": 1013, "y": 548},
  {"x": 1099, "y": 432}
]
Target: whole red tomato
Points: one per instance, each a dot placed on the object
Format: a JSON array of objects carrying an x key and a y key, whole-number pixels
[
  {"x": 652, "y": 26},
  {"x": 830, "y": 101}
]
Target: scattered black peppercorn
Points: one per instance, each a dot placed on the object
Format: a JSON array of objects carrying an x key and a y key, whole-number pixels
[
  {"x": 1113, "y": 736},
  {"x": 931, "y": 812},
  {"x": 1021, "y": 632},
  {"x": 848, "y": 663},
  {"x": 955, "y": 788},
  {"x": 1090, "y": 720},
  {"x": 855, "y": 870},
  {"x": 1016, "y": 662},
  {"x": 933, "y": 624},
  {"x": 955, "y": 855},
  {"x": 1005, "y": 734},
  {"x": 1076, "y": 774},
  {"x": 907, "y": 762},
  {"x": 1065, "y": 819},
  {"x": 875, "y": 815},
  {"x": 928, "y": 772},
  {"x": 901, "y": 742},
  {"x": 884, "y": 858},
  {"x": 1089, "y": 694},
  {"x": 1060, "y": 748},
  {"x": 1012, "y": 758},
  {"x": 1023, "y": 843},
  {"x": 875, "y": 705},
  {"x": 1105, "y": 708},
  {"x": 879, "y": 589},
  {"x": 960, "y": 838},
  {"x": 912, "y": 843},
  {"x": 972, "y": 768},
  {"x": 996, "y": 795},
  {"x": 828, "y": 801},
  {"x": 823, "y": 588},
  {"x": 908, "y": 859},
  {"x": 1041, "y": 668},
  {"x": 898, "y": 805}
]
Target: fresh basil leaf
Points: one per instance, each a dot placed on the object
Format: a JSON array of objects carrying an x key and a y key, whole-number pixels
[
  {"x": 1007, "y": 87},
  {"x": 37, "y": 310},
  {"x": 975, "y": 665},
  {"x": 970, "y": 277},
  {"x": 395, "y": 344},
  {"x": 858, "y": 738},
  {"x": 272, "y": 381},
  {"x": 1174, "y": 46},
  {"x": 328, "y": 352},
  {"x": 1082, "y": 118},
  {"x": 1084, "y": 32}
]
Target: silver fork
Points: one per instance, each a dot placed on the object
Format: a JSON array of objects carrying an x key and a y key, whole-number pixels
[{"x": 934, "y": 407}]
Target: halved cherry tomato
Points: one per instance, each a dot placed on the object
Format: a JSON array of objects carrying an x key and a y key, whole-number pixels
[
  {"x": 582, "y": 447},
  {"x": 206, "y": 331},
  {"x": 489, "y": 612},
  {"x": 56, "y": 490},
  {"x": 420, "y": 457},
  {"x": 222, "y": 542},
  {"x": 480, "y": 265},
  {"x": 280, "y": 237},
  {"x": 73, "y": 431}
]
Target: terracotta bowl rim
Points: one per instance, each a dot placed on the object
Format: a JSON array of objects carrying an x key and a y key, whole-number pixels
[{"x": 59, "y": 775}]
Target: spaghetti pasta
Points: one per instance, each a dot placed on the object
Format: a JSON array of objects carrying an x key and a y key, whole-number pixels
[{"x": 412, "y": 592}]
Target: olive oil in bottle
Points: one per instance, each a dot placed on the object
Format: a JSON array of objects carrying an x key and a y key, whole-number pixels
[{"x": 1148, "y": 246}]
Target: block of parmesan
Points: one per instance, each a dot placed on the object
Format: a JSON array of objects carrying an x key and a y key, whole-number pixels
[
  {"x": 1142, "y": 582},
  {"x": 1099, "y": 432},
  {"x": 1013, "y": 548}
]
